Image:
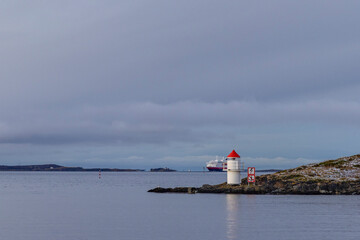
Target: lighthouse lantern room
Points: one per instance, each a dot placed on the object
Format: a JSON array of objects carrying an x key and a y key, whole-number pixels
[{"x": 233, "y": 168}]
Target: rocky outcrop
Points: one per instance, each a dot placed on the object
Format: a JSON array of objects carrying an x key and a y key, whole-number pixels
[
  {"x": 174, "y": 190},
  {"x": 340, "y": 176}
]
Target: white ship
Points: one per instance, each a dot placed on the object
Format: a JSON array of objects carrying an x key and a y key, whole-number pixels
[{"x": 217, "y": 165}]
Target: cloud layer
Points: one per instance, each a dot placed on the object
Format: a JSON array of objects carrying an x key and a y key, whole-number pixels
[{"x": 100, "y": 82}]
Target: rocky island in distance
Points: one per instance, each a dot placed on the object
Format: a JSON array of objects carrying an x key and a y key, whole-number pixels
[
  {"x": 162, "y": 170},
  {"x": 340, "y": 176}
]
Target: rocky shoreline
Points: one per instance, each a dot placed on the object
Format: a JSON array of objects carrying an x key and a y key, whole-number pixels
[{"x": 340, "y": 176}]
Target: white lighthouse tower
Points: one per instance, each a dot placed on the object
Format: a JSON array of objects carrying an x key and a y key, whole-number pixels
[{"x": 233, "y": 168}]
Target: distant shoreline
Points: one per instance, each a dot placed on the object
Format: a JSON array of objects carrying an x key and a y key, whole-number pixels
[{"x": 59, "y": 168}]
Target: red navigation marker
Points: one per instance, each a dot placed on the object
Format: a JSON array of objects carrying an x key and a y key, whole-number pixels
[
  {"x": 251, "y": 171},
  {"x": 251, "y": 175},
  {"x": 251, "y": 178}
]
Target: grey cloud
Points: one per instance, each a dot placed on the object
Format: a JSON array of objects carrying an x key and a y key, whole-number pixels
[
  {"x": 138, "y": 123},
  {"x": 98, "y": 133}
]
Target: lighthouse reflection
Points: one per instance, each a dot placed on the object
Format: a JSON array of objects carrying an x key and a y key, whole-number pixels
[{"x": 232, "y": 207}]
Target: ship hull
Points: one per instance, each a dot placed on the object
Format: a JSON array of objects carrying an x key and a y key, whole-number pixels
[{"x": 215, "y": 169}]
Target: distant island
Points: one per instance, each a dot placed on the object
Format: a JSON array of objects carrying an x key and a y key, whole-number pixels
[
  {"x": 58, "y": 168},
  {"x": 162, "y": 170},
  {"x": 340, "y": 176}
]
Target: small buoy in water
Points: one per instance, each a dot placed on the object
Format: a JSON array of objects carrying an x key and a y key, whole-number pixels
[{"x": 99, "y": 174}]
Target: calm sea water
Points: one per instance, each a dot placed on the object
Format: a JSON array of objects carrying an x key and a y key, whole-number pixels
[{"x": 40, "y": 205}]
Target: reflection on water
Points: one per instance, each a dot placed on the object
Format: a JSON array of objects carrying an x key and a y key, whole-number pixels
[
  {"x": 241, "y": 215},
  {"x": 232, "y": 208}
]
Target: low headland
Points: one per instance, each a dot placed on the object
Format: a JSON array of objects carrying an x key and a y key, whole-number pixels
[
  {"x": 340, "y": 176},
  {"x": 55, "y": 167}
]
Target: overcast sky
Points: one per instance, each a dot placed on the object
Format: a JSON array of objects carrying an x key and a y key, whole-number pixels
[{"x": 144, "y": 84}]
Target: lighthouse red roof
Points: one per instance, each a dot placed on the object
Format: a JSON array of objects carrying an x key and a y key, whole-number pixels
[{"x": 233, "y": 154}]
